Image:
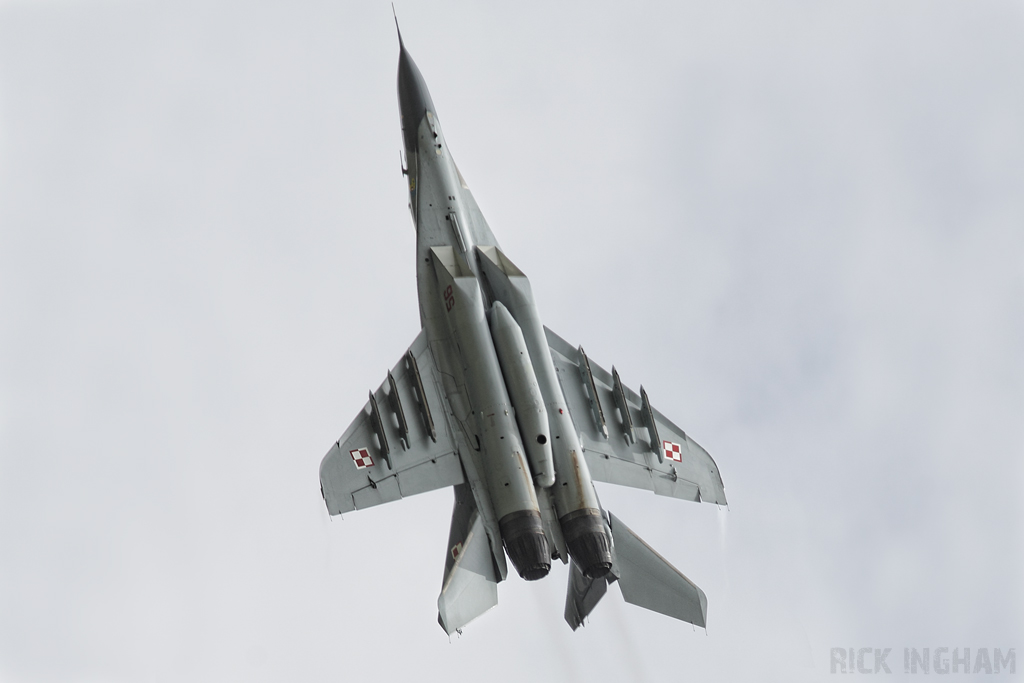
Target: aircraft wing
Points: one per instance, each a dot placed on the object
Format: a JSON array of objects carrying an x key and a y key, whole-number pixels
[
  {"x": 625, "y": 440},
  {"x": 399, "y": 444}
]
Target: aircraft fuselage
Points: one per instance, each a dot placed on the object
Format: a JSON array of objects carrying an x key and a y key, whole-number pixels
[{"x": 523, "y": 456}]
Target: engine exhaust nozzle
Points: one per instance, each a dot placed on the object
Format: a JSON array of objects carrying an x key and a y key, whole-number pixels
[
  {"x": 526, "y": 544},
  {"x": 587, "y": 541}
]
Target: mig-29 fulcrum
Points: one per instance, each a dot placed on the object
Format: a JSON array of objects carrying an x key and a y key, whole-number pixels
[{"x": 521, "y": 423}]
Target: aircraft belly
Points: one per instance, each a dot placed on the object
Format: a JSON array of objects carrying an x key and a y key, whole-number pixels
[
  {"x": 456, "y": 305},
  {"x": 483, "y": 374},
  {"x": 498, "y": 446},
  {"x": 521, "y": 382},
  {"x": 438, "y": 196},
  {"x": 505, "y": 467},
  {"x": 573, "y": 489}
]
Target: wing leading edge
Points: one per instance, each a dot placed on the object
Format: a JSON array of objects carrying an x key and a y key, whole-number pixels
[{"x": 627, "y": 442}]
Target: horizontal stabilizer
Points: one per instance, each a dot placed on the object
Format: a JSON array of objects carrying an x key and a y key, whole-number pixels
[
  {"x": 470, "y": 585},
  {"x": 648, "y": 580},
  {"x": 582, "y": 595}
]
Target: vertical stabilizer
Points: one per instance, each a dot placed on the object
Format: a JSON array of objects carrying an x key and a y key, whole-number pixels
[
  {"x": 582, "y": 595},
  {"x": 470, "y": 585}
]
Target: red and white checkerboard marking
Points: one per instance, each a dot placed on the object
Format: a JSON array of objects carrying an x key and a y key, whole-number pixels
[
  {"x": 673, "y": 451},
  {"x": 361, "y": 457}
]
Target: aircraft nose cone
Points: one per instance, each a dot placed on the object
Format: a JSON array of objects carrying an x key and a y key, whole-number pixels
[{"x": 413, "y": 97}]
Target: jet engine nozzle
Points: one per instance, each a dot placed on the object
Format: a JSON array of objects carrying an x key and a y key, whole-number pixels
[
  {"x": 587, "y": 541},
  {"x": 526, "y": 544}
]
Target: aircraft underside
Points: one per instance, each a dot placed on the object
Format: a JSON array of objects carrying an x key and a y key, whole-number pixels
[{"x": 519, "y": 422}]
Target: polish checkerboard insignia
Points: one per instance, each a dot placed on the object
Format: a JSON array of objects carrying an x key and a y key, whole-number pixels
[
  {"x": 361, "y": 457},
  {"x": 673, "y": 451}
]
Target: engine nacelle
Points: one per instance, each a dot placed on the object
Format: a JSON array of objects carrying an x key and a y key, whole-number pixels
[
  {"x": 526, "y": 543},
  {"x": 573, "y": 495},
  {"x": 506, "y": 468},
  {"x": 588, "y": 541},
  {"x": 524, "y": 392}
]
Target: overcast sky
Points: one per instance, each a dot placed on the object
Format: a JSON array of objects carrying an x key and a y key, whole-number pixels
[{"x": 799, "y": 224}]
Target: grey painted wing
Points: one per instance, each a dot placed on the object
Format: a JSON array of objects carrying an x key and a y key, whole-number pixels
[
  {"x": 674, "y": 465},
  {"x": 648, "y": 580},
  {"x": 470, "y": 585},
  {"x": 398, "y": 445}
]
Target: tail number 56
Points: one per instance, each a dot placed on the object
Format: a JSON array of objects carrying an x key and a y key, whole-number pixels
[{"x": 449, "y": 298}]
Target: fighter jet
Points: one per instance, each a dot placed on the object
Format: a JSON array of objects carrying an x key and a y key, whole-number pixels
[{"x": 518, "y": 421}]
